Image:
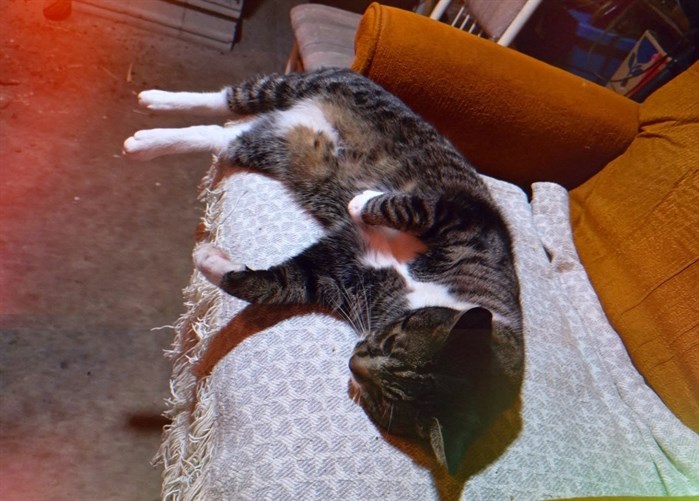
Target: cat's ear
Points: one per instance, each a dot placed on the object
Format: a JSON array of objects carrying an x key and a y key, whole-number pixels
[
  {"x": 465, "y": 357},
  {"x": 448, "y": 444},
  {"x": 474, "y": 320},
  {"x": 467, "y": 346},
  {"x": 430, "y": 319}
]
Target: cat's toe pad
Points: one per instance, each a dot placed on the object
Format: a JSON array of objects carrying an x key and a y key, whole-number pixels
[
  {"x": 357, "y": 204},
  {"x": 213, "y": 263}
]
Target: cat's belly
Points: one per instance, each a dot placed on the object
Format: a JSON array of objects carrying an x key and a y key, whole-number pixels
[
  {"x": 389, "y": 248},
  {"x": 306, "y": 113}
]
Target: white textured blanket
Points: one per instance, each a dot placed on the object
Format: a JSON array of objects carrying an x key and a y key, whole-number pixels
[{"x": 262, "y": 411}]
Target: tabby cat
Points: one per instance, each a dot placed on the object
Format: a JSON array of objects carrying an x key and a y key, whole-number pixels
[{"x": 415, "y": 255}]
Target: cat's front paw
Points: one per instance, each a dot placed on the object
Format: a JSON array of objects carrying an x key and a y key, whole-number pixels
[
  {"x": 213, "y": 263},
  {"x": 357, "y": 204}
]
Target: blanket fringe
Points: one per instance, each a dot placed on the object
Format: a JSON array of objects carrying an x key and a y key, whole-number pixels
[{"x": 187, "y": 441}]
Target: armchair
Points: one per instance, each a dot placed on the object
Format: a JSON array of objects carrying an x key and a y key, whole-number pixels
[{"x": 601, "y": 194}]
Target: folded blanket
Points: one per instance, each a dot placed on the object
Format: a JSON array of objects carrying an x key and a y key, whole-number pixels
[{"x": 260, "y": 402}]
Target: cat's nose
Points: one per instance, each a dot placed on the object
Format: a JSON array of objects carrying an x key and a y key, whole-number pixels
[{"x": 359, "y": 368}]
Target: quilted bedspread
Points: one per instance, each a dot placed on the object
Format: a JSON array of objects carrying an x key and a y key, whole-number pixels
[{"x": 260, "y": 402}]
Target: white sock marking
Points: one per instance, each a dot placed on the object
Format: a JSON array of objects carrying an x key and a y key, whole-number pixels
[
  {"x": 198, "y": 103},
  {"x": 213, "y": 263},
  {"x": 151, "y": 143},
  {"x": 357, "y": 204}
]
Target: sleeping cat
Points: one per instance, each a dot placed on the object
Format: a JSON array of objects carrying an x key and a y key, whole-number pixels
[{"x": 415, "y": 256}]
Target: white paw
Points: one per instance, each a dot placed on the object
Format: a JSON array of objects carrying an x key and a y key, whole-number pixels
[
  {"x": 147, "y": 144},
  {"x": 213, "y": 263},
  {"x": 159, "y": 100},
  {"x": 151, "y": 143},
  {"x": 205, "y": 103},
  {"x": 357, "y": 204}
]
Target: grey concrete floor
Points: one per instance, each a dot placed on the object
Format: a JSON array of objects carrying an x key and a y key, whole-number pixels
[{"x": 95, "y": 249}]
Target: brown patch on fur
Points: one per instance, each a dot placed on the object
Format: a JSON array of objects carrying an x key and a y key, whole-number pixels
[
  {"x": 311, "y": 152},
  {"x": 368, "y": 143},
  {"x": 355, "y": 130}
]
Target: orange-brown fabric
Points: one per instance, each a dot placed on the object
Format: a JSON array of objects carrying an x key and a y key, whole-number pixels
[
  {"x": 514, "y": 117},
  {"x": 636, "y": 226},
  {"x": 632, "y": 498}
]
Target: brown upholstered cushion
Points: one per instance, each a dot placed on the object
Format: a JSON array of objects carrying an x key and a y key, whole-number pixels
[
  {"x": 636, "y": 225},
  {"x": 515, "y": 118}
]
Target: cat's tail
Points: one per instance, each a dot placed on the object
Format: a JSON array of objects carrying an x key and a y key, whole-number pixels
[{"x": 279, "y": 92}]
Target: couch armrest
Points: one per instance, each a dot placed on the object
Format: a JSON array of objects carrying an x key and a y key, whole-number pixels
[{"x": 514, "y": 117}]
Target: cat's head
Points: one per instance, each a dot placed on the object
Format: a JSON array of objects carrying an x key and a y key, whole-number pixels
[{"x": 432, "y": 375}]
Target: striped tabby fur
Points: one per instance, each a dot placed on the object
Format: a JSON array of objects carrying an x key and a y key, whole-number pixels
[{"x": 416, "y": 255}]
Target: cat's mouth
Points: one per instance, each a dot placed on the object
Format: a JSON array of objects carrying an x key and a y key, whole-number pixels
[
  {"x": 361, "y": 389},
  {"x": 385, "y": 414},
  {"x": 360, "y": 397},
  {"x": 355, "y": 390},
  {"x": 360, "y": 394}
]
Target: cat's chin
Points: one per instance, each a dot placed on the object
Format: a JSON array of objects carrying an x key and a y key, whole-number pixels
[
  {"x": 354, "y": 389},
  {"x": 355, "y": 392}
]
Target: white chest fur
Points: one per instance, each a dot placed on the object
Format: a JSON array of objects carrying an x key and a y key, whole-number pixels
[
  {"x": 390, "y": 248},
  {"x": 380, "y": 255}
]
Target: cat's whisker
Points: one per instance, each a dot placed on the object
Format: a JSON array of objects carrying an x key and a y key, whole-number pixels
[
  {"x": 346, "y": 315},
  {"x": 338, "y": 308},
  {"x": 357, "y": 398},
  {"x": 353, "y": 316},
  {"x": 367, "y": 313},
  {"x": 391, "y": 407}
]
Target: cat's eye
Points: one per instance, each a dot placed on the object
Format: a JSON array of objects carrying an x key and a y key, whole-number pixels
[{"x": 387, "y": 345}]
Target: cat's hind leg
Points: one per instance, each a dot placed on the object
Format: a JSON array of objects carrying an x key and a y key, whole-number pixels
[
  {"x": 151, "y": 143},
  {"x": 194, "y": 103}
]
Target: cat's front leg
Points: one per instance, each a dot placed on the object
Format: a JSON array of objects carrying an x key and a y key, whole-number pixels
[
  {"x": 193, "y": 103},
  {"x": 213, "y": 263},
  {"x": 233, "y": 278},
  {"x": 283, "y": 284},
  {"x": 403, "y": 212},
  {"x": 385, "y": 235},
  {"x": 357, "y": 204}
]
